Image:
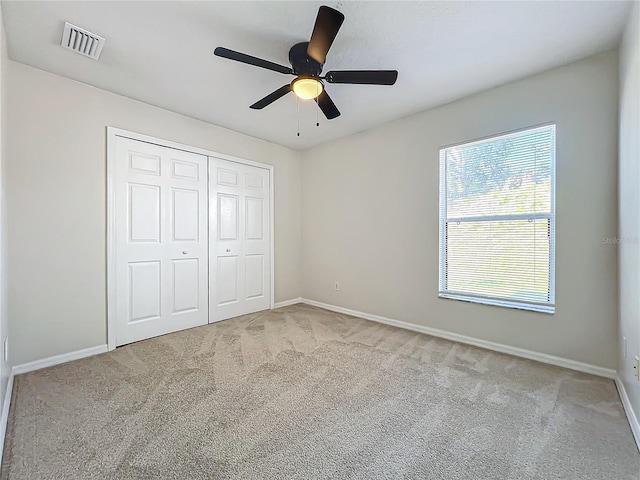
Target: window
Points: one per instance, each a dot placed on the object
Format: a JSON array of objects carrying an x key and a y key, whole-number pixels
[{"x": 497, "y": 220}]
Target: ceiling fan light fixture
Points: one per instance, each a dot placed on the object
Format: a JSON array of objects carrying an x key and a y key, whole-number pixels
[{"x": 307, "y": 88}]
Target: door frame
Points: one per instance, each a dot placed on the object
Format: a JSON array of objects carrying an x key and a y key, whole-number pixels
[{"x": 112, "y": 134}]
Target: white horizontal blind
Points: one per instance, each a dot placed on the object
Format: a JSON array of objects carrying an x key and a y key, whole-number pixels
[{"x": 497, "y": 220}]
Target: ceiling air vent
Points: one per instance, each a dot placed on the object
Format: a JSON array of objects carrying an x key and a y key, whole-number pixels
[{"x": 81, "y": 41}]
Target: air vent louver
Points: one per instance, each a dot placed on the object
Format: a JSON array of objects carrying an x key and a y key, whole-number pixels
[{"x": 81, "y": 41}]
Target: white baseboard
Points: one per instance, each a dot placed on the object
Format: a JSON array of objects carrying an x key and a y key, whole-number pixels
[
  {"x": 456, "y": 337},
  {"x": 286, "y": 303},
  {"x": 4, "y": 417},
  {"x": 628, "y": 409},
  {"x": 58, "y": 359}
]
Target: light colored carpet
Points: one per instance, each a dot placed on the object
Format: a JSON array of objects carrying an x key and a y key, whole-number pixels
[{"x": 303, "y": 393}]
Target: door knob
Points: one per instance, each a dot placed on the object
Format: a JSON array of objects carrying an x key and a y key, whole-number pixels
[
  {"x": 228, "y": 250},
  {"x": 184, "y": 252}
]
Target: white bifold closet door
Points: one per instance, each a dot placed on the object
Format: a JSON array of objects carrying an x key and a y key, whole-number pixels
[
  {"x": 161, "y": 242},
  {"x": 239, "y": 232}
]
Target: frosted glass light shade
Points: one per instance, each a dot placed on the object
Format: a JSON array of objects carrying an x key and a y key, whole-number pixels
[{"x": 307, "y": 88}]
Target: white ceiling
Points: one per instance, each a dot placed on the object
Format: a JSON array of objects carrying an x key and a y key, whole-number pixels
[{"x": 162, "y": 53}]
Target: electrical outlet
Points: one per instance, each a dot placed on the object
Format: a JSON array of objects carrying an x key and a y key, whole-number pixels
[
  {"x": 636, "y": 368},
  {"x": 336, "y": 285},
  {"x": 624, "y": 347},
  {"x": 5, "y": 349}
]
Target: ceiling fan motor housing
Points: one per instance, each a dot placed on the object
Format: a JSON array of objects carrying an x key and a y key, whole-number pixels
[{"x": 302, "y": 63}]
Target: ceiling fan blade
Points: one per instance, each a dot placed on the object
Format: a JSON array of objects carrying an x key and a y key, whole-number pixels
[
  {"x": 327, "y": 106},
  {"x": 363, "y": 77},
  {"x": 328, "y": 23},
  {"x": 272, "y": 97},
  {"x": 244, "y": 58}
]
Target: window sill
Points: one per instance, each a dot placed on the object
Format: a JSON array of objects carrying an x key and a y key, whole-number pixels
[{"x": 550, "y": 309}]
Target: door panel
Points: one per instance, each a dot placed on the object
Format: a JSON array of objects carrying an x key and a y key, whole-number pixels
[
  {"x": 144, "y": 213},
  {"x": 255, "y": 275},
  {"x": 227, "y": 177},
  {"x": 185, "y": 170},
  {"x": 239, "y": 229},
  {"x": 144, "y": 290},
  {"x": 228, "y": 217},
  {"x": 227, "y": 280},
  {"x": 145, "y": 164},
  {"x": 161, "y": 243},
  {"x": 253, "y": 181},
  {"x": 255, "y": 222},
  {"x": 185, "y": 212},
  {"x": 185, "y": 275}
]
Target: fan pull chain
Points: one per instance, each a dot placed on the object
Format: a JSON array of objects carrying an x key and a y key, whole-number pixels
[
  {"x": 298, "y": 107},
  {"x": 317, "y": 105}
]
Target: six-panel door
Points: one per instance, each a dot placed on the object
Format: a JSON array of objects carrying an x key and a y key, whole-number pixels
[
  {"x": 160, "y": 240},
  {"x": 239, "y": 230}
]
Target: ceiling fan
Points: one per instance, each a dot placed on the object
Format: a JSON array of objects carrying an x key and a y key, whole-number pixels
[{"x": 307, "y": 60}]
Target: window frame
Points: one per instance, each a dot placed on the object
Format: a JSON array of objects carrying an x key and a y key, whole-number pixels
[{"x": 543, "y": 307}]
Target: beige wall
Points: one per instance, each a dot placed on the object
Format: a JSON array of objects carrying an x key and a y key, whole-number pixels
[
  {"x": 56, "y": 188},
  {"x": 5, "y": 367},
  {"x": 629, "y": 233},
  {"x": 370, "y": 221}
]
